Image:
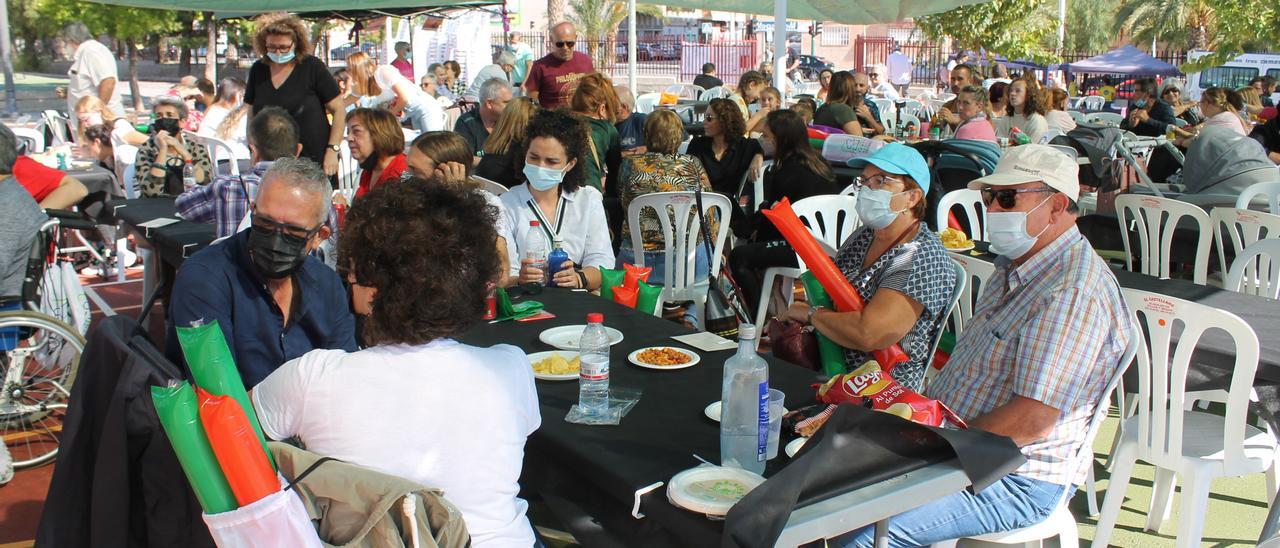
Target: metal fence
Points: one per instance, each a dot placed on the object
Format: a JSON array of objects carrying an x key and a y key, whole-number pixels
[
  {"x": 926, "y": 57},
  {"x": 665, "y": 56}
]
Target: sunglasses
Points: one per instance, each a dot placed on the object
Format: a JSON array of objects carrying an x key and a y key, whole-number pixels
[
  {"x": 1007, "y": 197},
  {"x": 566, "y": 44}
]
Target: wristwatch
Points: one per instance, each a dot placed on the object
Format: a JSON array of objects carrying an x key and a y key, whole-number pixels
[
  {"x": 812, "y": 310},
  {"x": 336, "y": 148}
]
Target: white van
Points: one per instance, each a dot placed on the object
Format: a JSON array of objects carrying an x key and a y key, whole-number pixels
[{"x": 1233, "y": 74}]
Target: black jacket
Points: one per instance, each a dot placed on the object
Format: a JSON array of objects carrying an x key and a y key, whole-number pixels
[
  {"x": 1160, "y": 118},
  {"x": 117, "y": 482},
  {"x": 792, "y": 180}
]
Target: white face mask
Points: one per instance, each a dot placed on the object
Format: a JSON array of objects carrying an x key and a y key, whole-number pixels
[
  {"x": 542, "y": 178},
  {"x": 874, "y": 209},
  {"x": 1007, "y": 231}
]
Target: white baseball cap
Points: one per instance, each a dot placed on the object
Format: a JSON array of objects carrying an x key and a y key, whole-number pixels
[{"x": 1035, "y": 163}]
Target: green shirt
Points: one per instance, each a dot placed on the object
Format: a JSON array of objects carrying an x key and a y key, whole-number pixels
[
  {"x": 604, "y": 153},
  {"x": 524, "y": 57},
  {"x": 834, "y": 115}
]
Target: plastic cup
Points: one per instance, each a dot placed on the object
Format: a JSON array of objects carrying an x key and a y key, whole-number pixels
[{"x": 775, "y": 422}]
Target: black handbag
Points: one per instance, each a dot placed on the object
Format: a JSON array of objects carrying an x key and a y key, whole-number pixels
[{"x": 724, "y": 298}]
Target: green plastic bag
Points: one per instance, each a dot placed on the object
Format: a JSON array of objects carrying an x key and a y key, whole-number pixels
[
  {"x": 648, "y": 299},
  {"x": 209, "y": 358},
  {"x": 947, "y": 343},
  {"x": 509, "y": 311},
  {"x": 831, "y": 354},
  {"x": 179, "y": 415},
  {"x": 609, "y": 279}
]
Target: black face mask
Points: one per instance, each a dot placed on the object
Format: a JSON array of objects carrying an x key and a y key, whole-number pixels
[
  {"x": 274, "y": 254},
  {"x": 165, "y": 124}
]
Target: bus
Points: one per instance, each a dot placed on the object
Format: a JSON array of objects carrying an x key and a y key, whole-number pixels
[{"x": 1233, "y": 74}]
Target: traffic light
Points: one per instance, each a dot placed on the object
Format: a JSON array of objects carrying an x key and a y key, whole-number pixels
[{"x": 817, "y": 28}]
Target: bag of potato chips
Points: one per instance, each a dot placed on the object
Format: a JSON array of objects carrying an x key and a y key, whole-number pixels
[{"x": 869, "y": 384}]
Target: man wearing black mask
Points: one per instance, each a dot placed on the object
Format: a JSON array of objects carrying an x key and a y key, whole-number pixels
[{"x": 273, "y": 301}]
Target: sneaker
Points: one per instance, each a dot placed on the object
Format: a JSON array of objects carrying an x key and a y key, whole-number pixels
[{"x": 6, "y": 465}]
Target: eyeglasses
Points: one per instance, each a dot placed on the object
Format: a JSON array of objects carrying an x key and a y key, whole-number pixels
[
  {"x": 265, "y": 225},
  {"x": 1007, "y": 197},
  {"x": 280, "y": 49},
  {"x": 565, "y": 44},
  {"x": 874, "y": 182}
]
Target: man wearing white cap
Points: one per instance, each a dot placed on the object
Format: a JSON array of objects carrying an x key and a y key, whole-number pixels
[{"x": 1046, "y": 338}]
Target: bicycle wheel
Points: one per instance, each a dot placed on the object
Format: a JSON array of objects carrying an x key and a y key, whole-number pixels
[{"x": 37, "y": 368}]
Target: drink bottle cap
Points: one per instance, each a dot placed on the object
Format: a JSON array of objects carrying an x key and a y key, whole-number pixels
[
  {"x": 746, "y": 331},
  {"x": 595, "y": 317},
  {"x": 534, "y": 223}
]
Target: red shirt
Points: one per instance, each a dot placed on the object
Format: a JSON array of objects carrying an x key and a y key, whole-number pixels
[
  {"x": 392, "y": 173},
  {"x": 554, "y": 80},
  {"x": 405, "y": 68},
  {"x": 37, "y": 178}
]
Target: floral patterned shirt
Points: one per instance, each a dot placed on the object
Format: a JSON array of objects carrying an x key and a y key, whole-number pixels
[{"x": 657, "y": 172}]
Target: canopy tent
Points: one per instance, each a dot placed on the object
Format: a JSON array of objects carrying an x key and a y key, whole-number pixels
[
  {"x": 379, "y": 8},
  {"x": 1124, "y": 60}
]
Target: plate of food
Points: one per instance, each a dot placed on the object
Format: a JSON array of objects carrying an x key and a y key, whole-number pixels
[
  {"x": 794, "y": 447},
  {"x": 664, "y": 357},
  {"x": 555, "y": 365},
  {"x": 566, "y": 337},
  {"x": 955, "y": 240},
  {"x": 712, "y": 411},
  {"x": 711, "y": 490}
]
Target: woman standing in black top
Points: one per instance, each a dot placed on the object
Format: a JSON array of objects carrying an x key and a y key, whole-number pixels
[
  {"x": 288, "y": 76},
  {"x": 798, "y": 172},
  {"x": 725, "y": 153}
]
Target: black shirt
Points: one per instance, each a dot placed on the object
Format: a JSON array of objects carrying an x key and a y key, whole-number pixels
[
  {"x": 727, "y": 172},
  {"x": 792, "y": 180},
  {"x": 471, "y": 128},
  {"x": 501, "y": 168},
  {"x": 707, "y": 81},
  {"x": 1160, "y": 117},
  {"x": 303, "y": 95}
]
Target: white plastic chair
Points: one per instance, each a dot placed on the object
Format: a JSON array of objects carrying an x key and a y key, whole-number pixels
[
  {"x": 887, "y": 109},
  {"x": 946, "y": 96},
  {"x": 851, "y": 190},
  {"x": 1105, "y": 118},
  {"x": 1156, "y": 218},
  {"x": 1093, "y": 103},
  {"x": 1194, "y": 445},
  {"x": 970, "y": 203},
  {"x": 831, "y": 219},
  {"x": 126, "y": 173},
  {"x": 1049, "y": 134},
  {"x": 1242, "y": 227},
  {"x": 58, "y": 125},
  {"x": 219, "y": 151},
  {"x": 348, "y": 167},
  {"x": 976, "y": 273},
  {"x": 680, "y": 281},
  {"x": 907, "y": 121},
  {"x": 646, "y": 102},
  {"x": 1269, "y": 191},
  {"x": 913, "y": 107},
  {"x": 33, "y": 138},
  {"x": 718, "y": 92},
  {"x": 490, "y": 186},
  {"x": 1256, "y": 271},
  {"x": 685, "y": 91},
  {"x": 1061, "y": 523},
  {"x": 960, "y": 292}
]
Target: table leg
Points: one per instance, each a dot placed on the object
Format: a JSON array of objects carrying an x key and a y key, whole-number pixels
[
  {"x": 122, "y": 246},
  {"x": 882, "y": 533}
]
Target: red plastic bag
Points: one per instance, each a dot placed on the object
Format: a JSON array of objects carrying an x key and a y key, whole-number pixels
[
  {"x": 626, "y": 296},
  {"x": 635, "y": 274},
  {"x": 236, "y": 445},
  {"x": 869, "y": 384}
]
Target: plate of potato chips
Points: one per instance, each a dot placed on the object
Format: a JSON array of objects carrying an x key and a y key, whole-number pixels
[
  {"x": 555, "y": 365},
  {"x": 955, "y": 240}
]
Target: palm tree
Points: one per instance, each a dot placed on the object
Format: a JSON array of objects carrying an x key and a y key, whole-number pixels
[
  {"x": 555, "y": 13},
  {"x": 1190, "y": 22}
]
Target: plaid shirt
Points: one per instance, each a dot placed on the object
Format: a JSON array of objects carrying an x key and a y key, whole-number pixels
[
  {"x": 224, "y": 202},
  {"x": 1048, "y": 330}
]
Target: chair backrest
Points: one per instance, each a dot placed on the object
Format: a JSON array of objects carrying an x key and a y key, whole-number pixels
[
  {"x": 830, "y": 218},
  {"x": 1049, "y": 134},
  {"x": 1162, "y": 374},
  {"x": 348, "y": 167},
  {"x": 851, "y": 190},
  {"x": 646, "y": 102},
  {"x": 681, "y": 238},
  {"x": 970, "y": 203},
  {"x": 1269, "y": 191},
  {"x": 1093, "y": 102},
  {"x": 1241, "y": 227},
  {"x": 1076, "y": 115},
  {"x": 718, "y": 92},
  {"x": 490, "y": 186},
  {"x": 926, "y": 96},
  {"x": 958, "y": 293},
  {"x": 1179, "y": 122},
  {"x": 887, "y": 108},
  {"x": 219, "y": 151},
  {"x": 58, "y": 126},
  {"x": 946, "y": 96},
  {"x": 1105, "y": 118},
  {"x": 912, "y": 106},
  {"x": 125, "y": 158},
  {"x": 908, "y": 119},
  {"x": 684, "y": 146},
  {"x": 33, "y": 139},
  {"x": 1156, "y": 220},
  {"x": 1256, "y": 270},
  {"x": 685, "y": 91},
  {"x": 976, "y": 273}
]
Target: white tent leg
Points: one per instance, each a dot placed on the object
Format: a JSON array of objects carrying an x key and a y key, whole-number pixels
[
  {"x": 780, "y": 45},
  {"x": 631, "y": 47}
]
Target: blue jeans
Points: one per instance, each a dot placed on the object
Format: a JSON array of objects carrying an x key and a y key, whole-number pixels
[
  {"x": 1012, "y": 503},
  {"x": 421, "y": 116},
  {"x": 657, "y": 261}
]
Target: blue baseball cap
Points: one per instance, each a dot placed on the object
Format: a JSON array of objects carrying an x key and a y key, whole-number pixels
[{"x": 898, "y": 159}]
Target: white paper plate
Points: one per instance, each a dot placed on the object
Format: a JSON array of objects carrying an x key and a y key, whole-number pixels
[
  {"x": 634, "y": 358},
  {"x": 711, "y": 490},
  {"x": 566, "y": 337},
  {"x": 539, "y": 356},
  {"x": 960, "y": 249},
  {"x": 794, "y": 447},
  {"x": 712, "y": 411}
]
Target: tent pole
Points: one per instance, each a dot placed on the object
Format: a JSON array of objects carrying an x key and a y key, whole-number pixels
[
  {"x": 779, "y": 44},
  {"x": 1062, "y": 25},
  {"x": 631, "y": 47}
]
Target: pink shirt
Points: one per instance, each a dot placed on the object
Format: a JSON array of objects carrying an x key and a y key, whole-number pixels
[
  {"x": 977, "y": 128},
  {"x": 1228, "y": 120},
  {"x": 405, "y": 68}
]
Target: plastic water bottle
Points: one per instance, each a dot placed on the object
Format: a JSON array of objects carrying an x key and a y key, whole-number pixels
[
  {"x": 593, "y": 375},
  {"x": 744, "y": 406},
  {"x": 557, "y": 257},
  {"x": 535, "y": 248},
  {"x": 188, "y": 176}
]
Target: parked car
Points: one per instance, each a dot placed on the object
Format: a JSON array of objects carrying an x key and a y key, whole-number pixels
[
  {"x": 812, "y": 65},
  {"x": 340, "y": 53}
]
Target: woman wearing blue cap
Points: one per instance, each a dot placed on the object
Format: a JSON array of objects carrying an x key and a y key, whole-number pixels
[{"x": 896, "y": 264}]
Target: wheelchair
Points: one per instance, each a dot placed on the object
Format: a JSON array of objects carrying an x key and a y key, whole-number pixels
[{"x": 39, "y": 355}]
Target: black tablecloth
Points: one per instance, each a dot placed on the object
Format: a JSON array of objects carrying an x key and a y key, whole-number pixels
[
  {"x": 1103, "y": 231},
  {"x": 95, "y": 179},
  {"x": 176, "y": 241}
]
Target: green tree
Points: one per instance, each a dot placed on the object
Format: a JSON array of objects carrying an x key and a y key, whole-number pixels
[
  {"x": 1240, "y": 26},
  {"x": 1017, "y": 29},
  {"x": 1189, "y": 24},
  {"x": 1090, "y": 25},
  {"x": 597, "y": 21}
]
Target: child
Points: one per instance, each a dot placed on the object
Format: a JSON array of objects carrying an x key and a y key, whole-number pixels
[
  {"x": 770, "y": 100},
  {"x": 805, "y": 107}
]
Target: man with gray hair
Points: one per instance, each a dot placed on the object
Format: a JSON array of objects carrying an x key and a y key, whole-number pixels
[
  {"x": 475, "y": 125},
  {"x": 272, "y": 299},
  {"x": 631, "y": 125},
  {"x": 503, "y": 63},
  {"x": 20, "y": 219},
  {"x": 93, "y": 70}
]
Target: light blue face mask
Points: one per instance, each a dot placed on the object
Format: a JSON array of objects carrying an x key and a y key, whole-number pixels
[
  {"x": 1007, "y": 231},
  {"x": 542, "y": 178},
  {"x": 874, "y": 209},
  {"x": 281, "y": 58},
  {"x": 1140, "y": 103}
]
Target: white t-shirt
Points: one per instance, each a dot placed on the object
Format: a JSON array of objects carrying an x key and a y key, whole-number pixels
[
  {"x": 444, "y": 414},
  {"x": 1061, "y": 120},
  {"x": 1034, "y": 126},
  {"x": 90, "y": 65},
  {"x": 886, "y": 90},
  {"x": 899, "y": 67},
  {"x": 580, "y": 223},
  {"x": 213, "y": 118},
  {"x": 387, "y": 77}
]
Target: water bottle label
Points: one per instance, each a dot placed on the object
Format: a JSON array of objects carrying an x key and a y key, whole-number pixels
[
  {"x": 762, "y": 428},
  {"x": 591, "y": 370}
]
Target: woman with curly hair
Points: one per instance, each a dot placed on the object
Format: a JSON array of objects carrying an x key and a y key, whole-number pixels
[
  {"x": 555, "y": 195},
  {"x": 289, "y": 77},
  {"x": 1025, "y": 111},
  {"x": 410, "y": 404}
]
